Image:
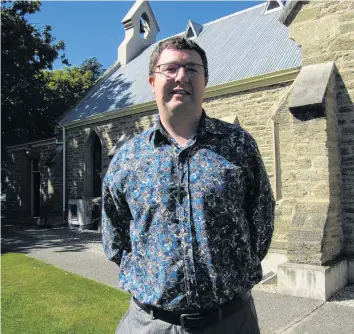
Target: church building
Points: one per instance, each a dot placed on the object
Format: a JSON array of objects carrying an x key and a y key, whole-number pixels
[{"x": 284, "y": 71}]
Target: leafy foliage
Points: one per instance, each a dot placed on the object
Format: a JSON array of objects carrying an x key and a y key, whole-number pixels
[
  {"x": 93, "y": 66},
  {"x": 65, "y": 87},
  {"x": 33, "y": 96},
  {"x": 25, "y": 53}
]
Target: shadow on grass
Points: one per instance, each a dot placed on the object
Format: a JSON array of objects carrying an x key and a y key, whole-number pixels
[{"x": 25, "y": 239}]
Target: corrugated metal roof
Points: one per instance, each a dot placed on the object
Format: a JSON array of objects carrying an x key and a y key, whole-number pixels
[{"x": 238, "y": 46}]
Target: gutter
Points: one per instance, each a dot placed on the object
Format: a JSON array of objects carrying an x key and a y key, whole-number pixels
[{"x": 38, "y": 143}]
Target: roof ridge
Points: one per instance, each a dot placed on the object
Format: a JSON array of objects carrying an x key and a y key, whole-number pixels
[{"x": 234, "y": 14}]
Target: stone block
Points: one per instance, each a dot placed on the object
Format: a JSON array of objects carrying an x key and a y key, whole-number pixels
[
  {"x": 347, "y": 17},
  {"x": 307, "y": 14},
  {"x": 308, "y": 219},
  {"x": 350, "y": 271},
  {"x": 347, "y": 27},
  {"x": 279, "y": 244},
  {"x": 304, "y": 163},
  {"x": 274, "y": 258},
  {"x": 281, "y": 226},
  {"x": 343, "y": 42},
  {"x": 304, "y": 150},
  {"x": 320, "y": 175},
  {"x": 309, "y": 281},
  {"x": 317, "y": 48},
  {"x": 299, "y": 238},
  {"x": 344, "y": 98},
  {"x": 348, "y": 131},
  {"x": 310, "y": 85},
  {"x": 321, "y": 29},
  {"x": 305, "y": 245},
  {"x": 333, "y": 7},
  {"x": 284, "y": 208}
]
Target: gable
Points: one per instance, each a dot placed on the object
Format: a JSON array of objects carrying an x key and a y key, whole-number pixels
[{"x": 193, "y": 30}]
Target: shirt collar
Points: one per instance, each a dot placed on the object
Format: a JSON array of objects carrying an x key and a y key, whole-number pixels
[
  {"x": 207, "y": 125},
  {"x": 158, "y": 134}
]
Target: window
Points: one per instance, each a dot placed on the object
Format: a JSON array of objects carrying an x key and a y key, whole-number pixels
[{"x": 144, "y": 26}]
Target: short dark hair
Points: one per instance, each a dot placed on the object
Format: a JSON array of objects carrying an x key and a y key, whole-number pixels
[{"x": 178, "y": 43}]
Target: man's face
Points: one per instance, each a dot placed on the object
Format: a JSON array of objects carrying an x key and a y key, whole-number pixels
[{"x": 181, "y": 93}]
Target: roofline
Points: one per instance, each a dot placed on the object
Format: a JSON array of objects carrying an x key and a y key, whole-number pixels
[
  {"x": 263, "y": 80},
  {"x": 37, "y": 143}
]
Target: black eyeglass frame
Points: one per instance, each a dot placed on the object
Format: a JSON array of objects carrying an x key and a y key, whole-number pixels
[{"x": 178, "y": 68}]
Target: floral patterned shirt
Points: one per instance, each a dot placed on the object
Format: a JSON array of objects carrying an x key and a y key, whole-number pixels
[{"x": 188, "y": 226}]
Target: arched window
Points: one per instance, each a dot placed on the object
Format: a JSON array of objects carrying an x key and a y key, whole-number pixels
[{"x": 93, "y": 166}]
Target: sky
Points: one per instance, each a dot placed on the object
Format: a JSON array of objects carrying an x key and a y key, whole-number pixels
[{"x": 94, "y": 28}]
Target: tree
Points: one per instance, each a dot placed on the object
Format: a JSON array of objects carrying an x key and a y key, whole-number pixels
[
  {"x": 92, "y": 65},
  {"x": 33, "y": 96},
  {"x": 65, "y": 87},
  {"x": 25, "y": 53}
]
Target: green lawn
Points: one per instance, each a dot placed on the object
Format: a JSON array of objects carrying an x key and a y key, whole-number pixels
[{"x": 39, "y": 298}]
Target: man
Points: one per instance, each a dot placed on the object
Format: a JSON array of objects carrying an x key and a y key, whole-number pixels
[{"x": 187, "y": 209}]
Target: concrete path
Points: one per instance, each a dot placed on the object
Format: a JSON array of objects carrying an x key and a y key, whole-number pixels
[{"x": 80, "y": 252}]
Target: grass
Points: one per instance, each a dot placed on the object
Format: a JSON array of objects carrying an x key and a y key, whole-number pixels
[{"x": 40, "y": 298}]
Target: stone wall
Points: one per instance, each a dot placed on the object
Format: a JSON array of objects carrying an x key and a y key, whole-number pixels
[
  {"x": 310, "y": 205},
  {"x": 18, "y": 181},
  {"x": 325, "y": 32}
]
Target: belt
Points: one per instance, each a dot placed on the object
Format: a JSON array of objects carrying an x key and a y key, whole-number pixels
[{"x": 202, "y": 318}]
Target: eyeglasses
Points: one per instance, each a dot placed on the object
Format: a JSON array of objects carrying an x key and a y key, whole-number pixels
[{"x": 170, "y": 70}]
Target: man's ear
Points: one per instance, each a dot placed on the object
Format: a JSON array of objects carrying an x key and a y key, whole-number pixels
[{"x": 152, "y": 83}]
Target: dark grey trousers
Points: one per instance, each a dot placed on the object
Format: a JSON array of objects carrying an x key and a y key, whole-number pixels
[{"x": 137, "y": 321}]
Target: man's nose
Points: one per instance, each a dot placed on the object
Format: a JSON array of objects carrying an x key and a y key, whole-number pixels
[{"x": 181, "y": 74}]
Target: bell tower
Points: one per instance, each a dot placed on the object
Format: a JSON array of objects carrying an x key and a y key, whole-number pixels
[{"x": 141, "y": 29}]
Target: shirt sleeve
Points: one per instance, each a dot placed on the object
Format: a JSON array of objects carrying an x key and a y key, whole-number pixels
[
  {"x": 260, "y": 203},
  {"x": 116, "y": 218}
]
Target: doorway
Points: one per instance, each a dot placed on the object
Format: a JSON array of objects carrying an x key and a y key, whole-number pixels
[
  {"x": 93, "y": 167},
  {"x": 35, "y": 188},
  {"x": 96, "y": 166}
]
